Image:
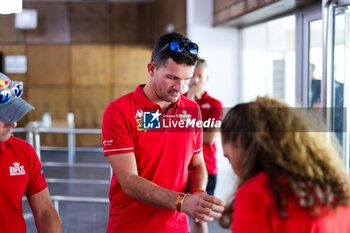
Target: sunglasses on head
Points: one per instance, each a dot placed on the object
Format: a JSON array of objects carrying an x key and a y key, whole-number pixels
[
  {"x": 10, "y": 90},
  {"x": 178, "y": 46}
]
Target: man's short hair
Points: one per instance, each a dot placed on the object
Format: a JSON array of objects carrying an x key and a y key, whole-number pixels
[{"x": 184, "y": 57}]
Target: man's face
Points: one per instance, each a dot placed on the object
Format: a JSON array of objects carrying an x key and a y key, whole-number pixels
[
  {"x": 5, "y": 130},
  {"x": 200, "y": 77},
  {"x": 170, "y": 80}
]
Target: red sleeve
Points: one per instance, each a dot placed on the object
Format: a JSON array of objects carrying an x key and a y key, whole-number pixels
[
  {"x": 36, "y": 182},
  {"x": 199, "y": 142},
  {"x": 250, "y": 210},
  {"x": 216, "y": 111},
  {"x": 199, "y": 135},
  {"x": 116, "y": 133}
]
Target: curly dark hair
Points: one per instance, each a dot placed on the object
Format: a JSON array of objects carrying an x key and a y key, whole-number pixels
[
  {"x": 185, "y": 57},
  {"x": 280, "y": 141}
]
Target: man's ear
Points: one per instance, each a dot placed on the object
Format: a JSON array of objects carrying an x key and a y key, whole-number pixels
[{"x": 151, "y": 67}]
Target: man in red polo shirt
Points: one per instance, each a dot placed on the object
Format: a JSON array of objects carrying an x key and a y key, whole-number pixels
[
  {"x": 211, "y": 108},
  {"x": 156, "y": 161},
  {"x": 20, "y": 169}
]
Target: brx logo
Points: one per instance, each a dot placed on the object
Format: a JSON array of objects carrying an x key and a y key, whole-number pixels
[
  {"x": 151, "y": 120},
  {"x": 17, "y": 169}
]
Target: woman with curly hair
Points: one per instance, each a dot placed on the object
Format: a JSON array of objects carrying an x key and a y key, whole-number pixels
[{"x": 291, "y": 176}]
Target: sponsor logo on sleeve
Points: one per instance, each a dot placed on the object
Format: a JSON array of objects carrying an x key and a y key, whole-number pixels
[{"x": 107, "y": 142}]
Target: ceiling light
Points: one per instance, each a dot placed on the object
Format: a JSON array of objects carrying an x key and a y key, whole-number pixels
[{"x": 10, "y": 6}]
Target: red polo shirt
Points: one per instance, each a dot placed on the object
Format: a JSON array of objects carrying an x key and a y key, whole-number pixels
[
  {"x": 20, "y": 172},
  {"x": 162, "y": 157},
  {"x": 255, "y": 211},
  {"x": 211, "y": 108}
]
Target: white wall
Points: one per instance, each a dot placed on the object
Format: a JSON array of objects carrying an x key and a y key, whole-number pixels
[{"x": 219, "y": 46}]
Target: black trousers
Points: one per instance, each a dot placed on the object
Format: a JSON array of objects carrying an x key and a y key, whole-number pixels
[{"x": 211, "y": 184}]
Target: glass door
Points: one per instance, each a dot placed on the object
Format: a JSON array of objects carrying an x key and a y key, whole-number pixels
[
  {"x": 340, "y": 76},
  {"x": 309, "y": 57},
  {"x": 336, "y": 57}
]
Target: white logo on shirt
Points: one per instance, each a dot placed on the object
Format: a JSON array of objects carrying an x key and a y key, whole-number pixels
[
  {"x": 184, "y": 116},
  {"x": 206, "y": 106},
  {"x": 17, "y": 170},
  {"x": 107, "y": 142},
  {"x": 138, "y": 114}
]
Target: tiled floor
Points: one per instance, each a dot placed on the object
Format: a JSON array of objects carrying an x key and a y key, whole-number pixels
[{"x": 80, "y": 216}]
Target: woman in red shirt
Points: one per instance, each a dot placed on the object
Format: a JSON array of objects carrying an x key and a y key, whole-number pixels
[{"x": 291, "y": 176}]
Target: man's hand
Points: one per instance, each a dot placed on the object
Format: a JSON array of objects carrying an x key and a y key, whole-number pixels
[{"x": 203, "y": 207}]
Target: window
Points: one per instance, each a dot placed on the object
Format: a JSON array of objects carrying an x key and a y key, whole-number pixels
[{"x": 268, "y": 60}]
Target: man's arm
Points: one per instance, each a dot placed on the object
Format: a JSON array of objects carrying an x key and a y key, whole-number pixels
[
  {"x": 45, "y": 214},
  {"x": 198, "y": 177},
  {"x": 125, "y": 169},
  {"x": 209, "y": 135}
]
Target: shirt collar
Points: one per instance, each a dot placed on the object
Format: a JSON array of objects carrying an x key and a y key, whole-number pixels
[
  {"x": 3, "y": 146},
  {"x": 203, "y": 98},
  {"x": 141, "y": 99},
  {"x": 205, "y": 95}
]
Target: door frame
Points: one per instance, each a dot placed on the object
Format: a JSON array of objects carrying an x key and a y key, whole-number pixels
[
  {"x": 328, "y": 61},
  {"x": 303, "y": 19}
]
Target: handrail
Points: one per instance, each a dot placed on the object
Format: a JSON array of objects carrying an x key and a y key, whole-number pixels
[
  {"x": 76, "y": 199},
  {"x": 57, "y": 198},
  {"x": 67, "y": 130},
  {"x": 30, "y": 131},
  {"x": 79, "y": 199},
  {"x": 85, "y": 165},
  {"x": 20, "y": 130},
  {"x": 57, "y": 130},
  {"x": 33, "y": 137},
  {"x": 77, "y": 181}
]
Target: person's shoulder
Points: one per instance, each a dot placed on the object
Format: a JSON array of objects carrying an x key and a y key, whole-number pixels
[
  {"x": 14, "y": 141},
  {"x": 121, "y": 102},
  {"x": 216, "y": 102},
  {"x": 123, "y": 99},
  {"x": 339, "y": 85},
  {"x": 258, "y": 183},
  {"x": 213, "y": 101},
  {"x": 19, "y": 144},
  {"x": 344, "y": 210},
  {"x": 255, "y": 190}
]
